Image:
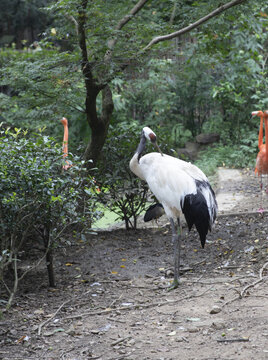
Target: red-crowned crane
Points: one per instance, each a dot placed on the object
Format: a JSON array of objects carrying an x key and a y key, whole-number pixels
[
  {"x": 180, "y": 187},
  {"x": 262, "y": 157}
]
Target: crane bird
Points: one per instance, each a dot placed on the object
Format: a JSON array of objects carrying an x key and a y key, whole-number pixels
[
  {"x": 180, "y": 187},
  {"x": 262, "y": 157},
  {"x": 64, "y": 122}
]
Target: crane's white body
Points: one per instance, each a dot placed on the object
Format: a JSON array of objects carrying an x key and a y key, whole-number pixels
[
  {"x": 170, "y": 180},
  {"x": 180, "y": 187}
]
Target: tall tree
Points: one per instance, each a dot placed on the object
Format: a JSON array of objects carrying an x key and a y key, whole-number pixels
[
  {"x": 96, "y": 82},
  {"x": 107, "y": 39}
]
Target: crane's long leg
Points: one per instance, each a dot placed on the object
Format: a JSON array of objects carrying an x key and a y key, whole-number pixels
[{"x": 176, "y": 239}]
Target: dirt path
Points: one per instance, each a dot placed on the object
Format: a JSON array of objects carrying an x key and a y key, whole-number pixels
[
  {"x": 111, "y": 302},
  {"x": 239, "y": 190}
]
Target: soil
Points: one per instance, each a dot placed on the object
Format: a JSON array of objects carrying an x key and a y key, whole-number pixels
[{"x": 111, "y": 301}]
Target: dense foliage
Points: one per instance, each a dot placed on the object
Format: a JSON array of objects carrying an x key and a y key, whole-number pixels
[
  {"x": 211, "y": 79},
  {"x": 38, "y": 200}
]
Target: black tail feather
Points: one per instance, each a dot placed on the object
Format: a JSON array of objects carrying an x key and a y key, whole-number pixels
[{"x": 196, "y": 213}]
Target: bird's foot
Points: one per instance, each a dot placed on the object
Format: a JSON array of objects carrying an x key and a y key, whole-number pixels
[
  {"x": 174, "y": 285},
  {"x": 261, "y": 210}
]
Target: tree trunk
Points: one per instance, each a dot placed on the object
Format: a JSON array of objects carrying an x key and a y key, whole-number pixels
[
  {"x": 99, "y": 125},
  {"x": 49, "y": 256}
]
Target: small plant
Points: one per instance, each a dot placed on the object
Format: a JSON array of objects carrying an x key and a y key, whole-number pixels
[{"x": 38, "y": 200}]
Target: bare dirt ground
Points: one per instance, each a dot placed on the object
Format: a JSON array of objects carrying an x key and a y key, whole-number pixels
[{"x": 111, "y": 300}]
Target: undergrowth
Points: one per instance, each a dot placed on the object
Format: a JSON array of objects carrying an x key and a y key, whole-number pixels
[{"x": 231, "y": 156}]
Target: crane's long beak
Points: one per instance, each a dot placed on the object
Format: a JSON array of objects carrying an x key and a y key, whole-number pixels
[{"x": 158, "y": 148}]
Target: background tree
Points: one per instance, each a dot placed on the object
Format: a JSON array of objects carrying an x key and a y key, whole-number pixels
[
  {"x": 22, "y": 22},
  {"x": 106, "y": 40}
]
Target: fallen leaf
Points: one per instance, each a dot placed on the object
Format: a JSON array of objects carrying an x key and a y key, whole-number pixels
[
  {"x": 23, "y": 339},
  {"x": 39, "y": 312}
]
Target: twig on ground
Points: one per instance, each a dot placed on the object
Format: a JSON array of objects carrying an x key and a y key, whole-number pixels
[
  {"x": 255, "y": 282},
  {"x": 116, "y": 320},
  {"x": 115, "y": 300},
  {"x": 198, "y": 263},
  {"x": 233, "y": 340},
  {"x": 51, "y": 317},
  {"x": 120, "y": 340},
  {"x": 122, "y": 357},
  {"x": 134, "y": 306},
  {"x": 241, "y": 294}
]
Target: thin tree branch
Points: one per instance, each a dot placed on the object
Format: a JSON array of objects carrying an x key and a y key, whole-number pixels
[
  {"x": 121, "y": 23},
  {"x": 242, "y": 293},
  {"x": 132, "y": 13},
  {"x": 256, "y": 282},
  {"x": 73, "y": 20},
  {"x": 190, "y": 27}
]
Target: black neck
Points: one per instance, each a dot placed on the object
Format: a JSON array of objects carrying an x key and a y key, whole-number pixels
[{"x": 141, "y": 146}]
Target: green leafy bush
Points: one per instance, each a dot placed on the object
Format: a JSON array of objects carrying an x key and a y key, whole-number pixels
[
  {"x": 121, "y": 190},
  {"x": 38, "y": 199}
]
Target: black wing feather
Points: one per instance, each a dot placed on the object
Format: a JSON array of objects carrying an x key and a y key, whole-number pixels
[
  {"x": 195, "y": 210},
  {"x": 154, "y": 212}
]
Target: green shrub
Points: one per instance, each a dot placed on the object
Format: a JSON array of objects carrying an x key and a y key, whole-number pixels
[
  {"x": 38, "y": 198},
  {"x": 121, "y": 191}
]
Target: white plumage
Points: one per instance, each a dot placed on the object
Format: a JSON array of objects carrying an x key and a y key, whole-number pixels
[{"x": 180, "y": 187}]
